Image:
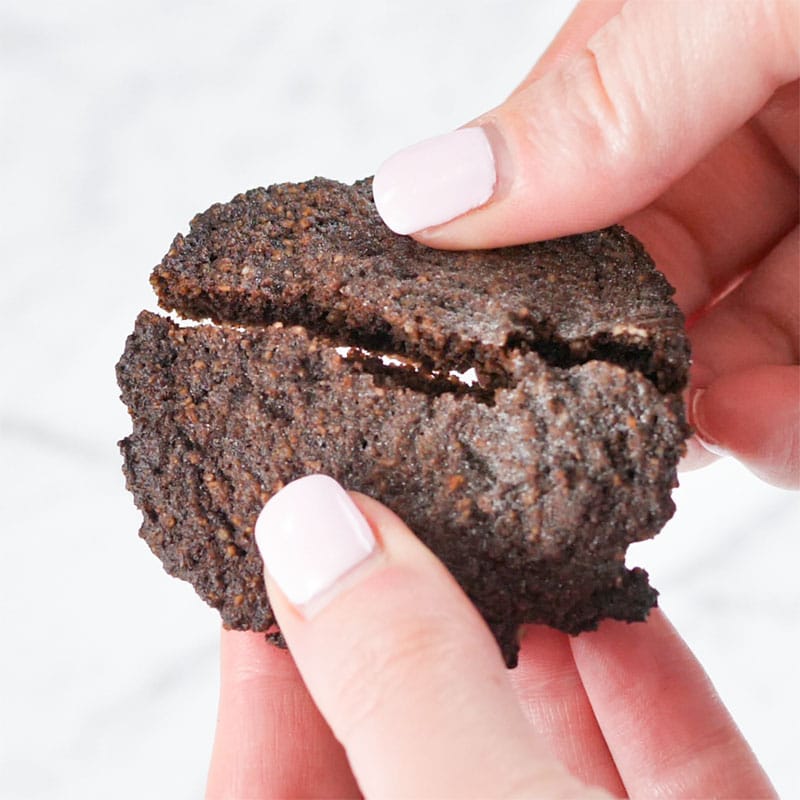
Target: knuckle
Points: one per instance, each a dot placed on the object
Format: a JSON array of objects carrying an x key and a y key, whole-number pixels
[
  {"x": 605, "y": 108},
  {"x": 595, "y": 91}
]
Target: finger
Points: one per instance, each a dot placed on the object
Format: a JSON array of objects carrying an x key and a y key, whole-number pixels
[
  {"x": 590, "y": 142},
  {"x": 665, "y": 726},
  {"x": 745, "y": 397},
  {"x": 585, "y": 20},
  {"x": 399, "y": 662},
  {"x": 758, "y": 322},
  {"x": 754, "y": 415},
  {"x": 552, "y": 696},
  {"x": 271, "y": 741},
  {"x": 696, "y": 457},
  {"x": 725, "y": 215}
]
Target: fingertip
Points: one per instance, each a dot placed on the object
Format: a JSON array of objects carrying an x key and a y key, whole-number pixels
[
  {"x": 247, "y": 657},
  {"x": 435, "y": 180},
  {"x": 697, "y": 456},
  {"x": 754, "y": 415},
  {"x": 310, "y": 536}
]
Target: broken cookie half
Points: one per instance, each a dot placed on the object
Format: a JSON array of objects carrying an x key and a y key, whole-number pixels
[{"x": 529, "y": 483}]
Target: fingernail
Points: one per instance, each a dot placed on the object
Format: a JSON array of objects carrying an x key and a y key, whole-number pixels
[
  {"x": 698, "y": 422},
  {"x": 310, "y": 535},
  {"x": 435, "y": 180}
]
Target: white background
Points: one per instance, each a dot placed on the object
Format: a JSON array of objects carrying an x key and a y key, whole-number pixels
[{"x": 120, "y": 120}]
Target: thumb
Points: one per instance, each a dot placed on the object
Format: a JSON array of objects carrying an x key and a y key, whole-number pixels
[
  {"x": 396, "y": 658},
  {"x": 600, "y": 134}
]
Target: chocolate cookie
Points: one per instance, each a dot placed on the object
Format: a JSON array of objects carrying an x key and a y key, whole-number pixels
[{"x": 529, "y": 483}]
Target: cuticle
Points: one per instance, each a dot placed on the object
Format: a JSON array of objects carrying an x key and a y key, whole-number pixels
[{"x": 503, "y": 167}]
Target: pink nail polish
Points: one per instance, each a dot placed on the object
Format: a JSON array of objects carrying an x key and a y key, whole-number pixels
[
  {"x": 310, "y": 534},
  {"x": 435, "y": 180}
]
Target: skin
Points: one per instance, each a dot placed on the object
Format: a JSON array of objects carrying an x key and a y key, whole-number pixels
[
  {"x": 395, "y": 688},
  {"x": 688, "y": 115}
]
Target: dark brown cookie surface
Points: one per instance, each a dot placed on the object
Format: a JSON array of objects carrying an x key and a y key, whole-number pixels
[
  {"x": 317, "y": 254},
  {"x": 529, "y": 485},
  {"x": 530, "y": 500}
]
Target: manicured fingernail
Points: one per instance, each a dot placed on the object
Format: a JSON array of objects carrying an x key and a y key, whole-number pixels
[
  {"x": 311, "y": 534},
  {"x": 697, "y": 420},
  {"x": 435, "y": 181}
]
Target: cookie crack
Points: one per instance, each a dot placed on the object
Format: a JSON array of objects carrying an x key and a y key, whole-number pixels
[
  {"x": 391, "y": 372},
  {"x": 494, "y": 366},
  {"x": 630, "y": 355},
  {"x": 397, "y": 363}
]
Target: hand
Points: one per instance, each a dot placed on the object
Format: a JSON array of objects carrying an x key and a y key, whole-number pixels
[
  {"x": 408, "y": 695},
  {"x": 679, "y": 119}
]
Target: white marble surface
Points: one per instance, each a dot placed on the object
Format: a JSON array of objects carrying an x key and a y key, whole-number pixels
[{"x": 120, "y": 120}]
